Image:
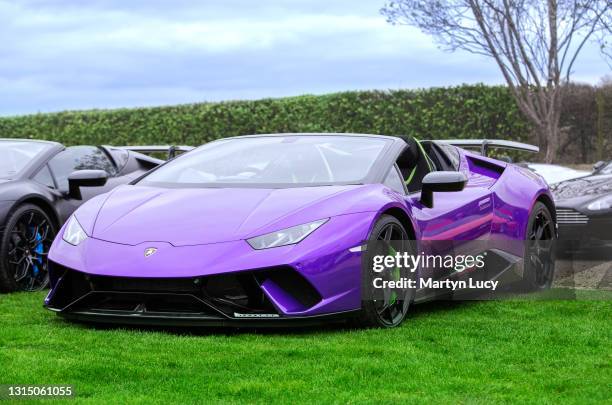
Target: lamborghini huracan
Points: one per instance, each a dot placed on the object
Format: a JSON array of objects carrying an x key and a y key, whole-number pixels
[{"x": 270, "y": 230}]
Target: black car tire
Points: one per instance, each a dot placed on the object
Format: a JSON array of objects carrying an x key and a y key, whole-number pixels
[
  {"x": 8, "y": 282},
  {"x": 370, "y": 315},
  {"x": 541, "y": 238}
]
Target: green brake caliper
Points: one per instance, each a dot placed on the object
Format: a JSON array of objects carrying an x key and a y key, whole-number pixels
[{"x": 395, "y": 275}]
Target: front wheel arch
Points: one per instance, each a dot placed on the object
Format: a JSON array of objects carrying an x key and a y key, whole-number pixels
[
  {"x": 371, "y": 315},
  {"x": 43, "y": 205},
  {"x": 400, "y": 215}
]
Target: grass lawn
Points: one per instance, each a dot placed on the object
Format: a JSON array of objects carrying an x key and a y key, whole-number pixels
[{"x": 472, "y": 352}]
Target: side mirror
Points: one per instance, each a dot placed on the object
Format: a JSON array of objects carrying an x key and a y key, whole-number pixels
[
  {"x": 85, "y": 178},
  {"x": 441, "y": 182},
  {"x": 598, "y": 165}
]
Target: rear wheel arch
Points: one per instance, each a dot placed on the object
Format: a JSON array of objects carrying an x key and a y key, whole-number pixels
[
  {"x": 549, "y": 203},
  {"x": 539, "y": 255}
]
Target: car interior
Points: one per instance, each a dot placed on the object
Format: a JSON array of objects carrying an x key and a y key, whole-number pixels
[{"x": 420, "y": 158}]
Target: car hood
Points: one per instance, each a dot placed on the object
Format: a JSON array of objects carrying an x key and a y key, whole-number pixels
[
  {"x": 584, "y": 187},
  {"x": 135, "y": 214}
]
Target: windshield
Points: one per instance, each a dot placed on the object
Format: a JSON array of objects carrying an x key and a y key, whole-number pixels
[
  {"x": 16, "y": 155},
  {"x": 274, "y": 161}
]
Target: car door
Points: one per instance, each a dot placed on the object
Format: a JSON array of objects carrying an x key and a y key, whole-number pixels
[
  {"x": 459, "y": 223},
  {"x": 80, "y": 158}
]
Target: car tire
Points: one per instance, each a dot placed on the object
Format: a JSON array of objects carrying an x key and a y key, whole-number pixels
[
  {"x": 24, "y": 245},
  {"x": 373, "y": 312},
  {"x": 539, "y": 261}
]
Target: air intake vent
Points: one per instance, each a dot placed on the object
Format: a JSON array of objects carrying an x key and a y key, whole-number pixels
[{"x": 571, "y": 217}]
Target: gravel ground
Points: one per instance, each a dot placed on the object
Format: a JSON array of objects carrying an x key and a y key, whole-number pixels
[{"x": 584, "y": 274}]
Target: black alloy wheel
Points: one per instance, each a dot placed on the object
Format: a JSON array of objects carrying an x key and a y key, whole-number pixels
[
  {"x": 24, "y": 248},
  {"x": 540, "y": 251},
  {"x": 386, "y": 307}
]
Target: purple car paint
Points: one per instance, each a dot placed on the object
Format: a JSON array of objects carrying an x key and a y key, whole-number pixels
[{"x": 195, "y": 233}]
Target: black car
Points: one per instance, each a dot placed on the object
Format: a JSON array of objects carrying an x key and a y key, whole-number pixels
[
  {"x": 584, "y": 208},
  {"x": 41, "y": 184}
]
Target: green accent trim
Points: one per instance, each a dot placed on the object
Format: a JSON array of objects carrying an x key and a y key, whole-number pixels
[
  {"x": 409, "y": 179},
  {"x": 396, "y": 274},
  {"x": 424, "y": 154}
]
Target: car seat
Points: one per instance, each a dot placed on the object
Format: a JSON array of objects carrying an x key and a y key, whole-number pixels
[{"x": 414, "y": 164}]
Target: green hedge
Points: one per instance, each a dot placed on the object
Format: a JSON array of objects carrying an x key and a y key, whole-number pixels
[{"x": 469, "y": 111}]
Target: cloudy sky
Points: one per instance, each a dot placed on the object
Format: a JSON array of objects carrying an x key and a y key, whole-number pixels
[{"x": 61, "y": 54}]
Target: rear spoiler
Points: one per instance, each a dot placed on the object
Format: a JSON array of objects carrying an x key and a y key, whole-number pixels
[
  {"x": 172, "y": 151},
  {"x": 485, "y": 144}
]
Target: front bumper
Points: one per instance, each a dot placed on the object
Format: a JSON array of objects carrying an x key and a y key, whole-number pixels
[
  {"x": 249, "y": 298},
  {"x": 219, "y": 284}
]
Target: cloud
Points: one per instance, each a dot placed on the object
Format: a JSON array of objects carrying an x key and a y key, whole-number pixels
[{"x": 102, "y": 54}]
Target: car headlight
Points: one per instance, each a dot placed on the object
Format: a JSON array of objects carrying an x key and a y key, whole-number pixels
[
  {"x": 604, "y": 203},
  {"x": 289, "y": 236},
  {"x": 74, "y": 233}
]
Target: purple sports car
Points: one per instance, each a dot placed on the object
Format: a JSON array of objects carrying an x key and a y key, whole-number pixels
[{"x": 270, "y": 229}]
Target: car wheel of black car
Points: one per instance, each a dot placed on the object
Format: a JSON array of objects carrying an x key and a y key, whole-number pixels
[
  {"x": 540, "y": 249},
  {"x": 385, "y": 307},
  {"x": 24, "y": 246}
]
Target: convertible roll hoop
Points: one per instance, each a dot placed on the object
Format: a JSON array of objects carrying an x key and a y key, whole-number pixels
[{"x": 485, "y": 144}]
